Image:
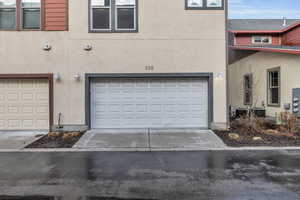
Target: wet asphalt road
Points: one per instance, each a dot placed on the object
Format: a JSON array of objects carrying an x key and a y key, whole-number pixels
[{"x": 203, "y": 175}]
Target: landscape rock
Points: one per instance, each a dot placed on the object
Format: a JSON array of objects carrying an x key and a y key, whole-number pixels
[
  {"x": 271, "y": 132},
  {"x": 234, "y": 136},
  {"x": 257, "y": 138}
]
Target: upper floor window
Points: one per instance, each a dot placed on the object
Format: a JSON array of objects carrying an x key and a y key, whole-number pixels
[
  {"x": 23, "y": 14},
  {"x": 113, "y": 15},
  {"x": 204, "y": 4},
  {"x": 8, "y": 14},
  {"x": 31, "y": 14},
  {"x": 261, "y": 40}
]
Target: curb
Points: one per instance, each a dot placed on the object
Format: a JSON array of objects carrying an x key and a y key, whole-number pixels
[{"x": 149, "y": 150}]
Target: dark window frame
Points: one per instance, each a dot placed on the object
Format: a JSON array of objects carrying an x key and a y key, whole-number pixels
[
  {"x": 19, "y": 18},
  {"x": 113, "y": 19},
  {"x": 269, "y": 87},
  {"x": 204, "y": 7},
  {"x": 248, "y": 90}
]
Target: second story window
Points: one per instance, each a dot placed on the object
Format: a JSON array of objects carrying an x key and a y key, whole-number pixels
[
  {"x": 7, "y": 14},
  {"x": 31, "y": 14},
  {"x": 20, "y": 14},
  {"x": 101, "y": 14},
  {"x": 261, "y": 40},
  {"x": 113, "y": 15},
  {"x": 204, "y": 4}
]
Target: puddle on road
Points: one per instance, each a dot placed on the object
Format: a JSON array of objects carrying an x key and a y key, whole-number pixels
[
  {"x": 61, "y": 198},
  {"x": 28, "y": 198}
]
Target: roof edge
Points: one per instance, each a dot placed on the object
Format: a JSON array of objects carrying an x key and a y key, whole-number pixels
[{"x": 266, "y": 31}]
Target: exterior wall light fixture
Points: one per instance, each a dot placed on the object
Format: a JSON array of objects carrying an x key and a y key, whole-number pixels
[
  {"x": 77, "y": 77},
  {"x": 88, "y": 47},
  {"x": 57, "y": 77},
  {"x": 47, "y": 47}
]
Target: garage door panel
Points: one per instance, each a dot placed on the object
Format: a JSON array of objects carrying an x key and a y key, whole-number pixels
[
  {"x": 24, "y": 104},
  {"x": 147, "y": 103}
]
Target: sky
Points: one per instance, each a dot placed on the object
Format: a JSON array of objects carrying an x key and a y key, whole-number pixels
[{"x": 261, "y": 9}]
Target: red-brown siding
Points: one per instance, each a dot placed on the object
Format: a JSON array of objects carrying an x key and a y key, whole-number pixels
[
  {"x": 276, "y": 40},
  {"x": 55, "y": 15},
  {"x": 243, "y": 40},
  {"x": 246, "y": 40},
  {"x": 292, "y": 37}
]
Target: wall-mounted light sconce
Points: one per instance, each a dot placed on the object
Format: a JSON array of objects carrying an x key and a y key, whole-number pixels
[
  {"x": 77, "y": 77},
  {"x": 47, "y": 47},
  {"x": 88, "y": 47},
  {"x": 220, "y": 76},
  {"x": 57, "y": 77}
]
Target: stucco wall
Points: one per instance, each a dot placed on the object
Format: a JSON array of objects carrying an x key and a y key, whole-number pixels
[
  {"x": 170, "y": 38},
  {"x": 258, "y": 64}
]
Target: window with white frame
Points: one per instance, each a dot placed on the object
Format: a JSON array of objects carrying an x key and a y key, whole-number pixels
[
  {"x": 204, "y": 4},
  {"x": 8, "y": 14},
  {"x": 101, "y": 14},
  {"x": 274, "y": 87},
  {"x": 214, "y": 3},
  {"x": 113, "y": 15},
  {"x": 31, "y": 14},
  {"x": 262, "y": 40},
  {"x": 195, "y": 3}
]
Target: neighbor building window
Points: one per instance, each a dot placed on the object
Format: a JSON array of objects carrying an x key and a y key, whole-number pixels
[
  {"x": 248, "y": 89},
  {"x": 113, "y": 15},
  {"x": 31, "y": 14},
  {"x": 8, "y": 14},
  {"x": 262, "y": 40},
  {"x": 204, "y": 4},
  {"x": 274, "y": 87}
]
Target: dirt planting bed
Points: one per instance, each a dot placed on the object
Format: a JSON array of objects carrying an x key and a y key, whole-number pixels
[
  {"x": 247, "y": 139},
  {"x": 254, "y": 131},
  {"x": 57, "y": 140}
]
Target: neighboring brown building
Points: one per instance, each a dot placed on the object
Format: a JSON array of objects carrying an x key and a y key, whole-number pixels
[{"x": 264, "y": 66}]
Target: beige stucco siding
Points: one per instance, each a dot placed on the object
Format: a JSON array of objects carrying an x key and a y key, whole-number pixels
[
  {"x": 171, "y": 39},
  {"x": 258, "y": 64}
]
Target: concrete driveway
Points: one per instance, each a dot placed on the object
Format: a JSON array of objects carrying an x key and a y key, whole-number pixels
[
  {"x": 149, "y": 140},
  {"x": 18, "y": 139}
]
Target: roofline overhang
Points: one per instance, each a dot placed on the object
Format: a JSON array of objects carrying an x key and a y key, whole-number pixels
[{"x": 267, "y": 49}]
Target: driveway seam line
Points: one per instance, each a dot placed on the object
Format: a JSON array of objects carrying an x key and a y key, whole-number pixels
[{"x": 149, "y": 139}]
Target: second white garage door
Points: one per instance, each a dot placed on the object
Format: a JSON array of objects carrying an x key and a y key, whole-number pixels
[{"x": 149, "y": 103}]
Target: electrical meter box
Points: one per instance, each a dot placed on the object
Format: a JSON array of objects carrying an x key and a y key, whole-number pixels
[{"x": 296, "y": 101}]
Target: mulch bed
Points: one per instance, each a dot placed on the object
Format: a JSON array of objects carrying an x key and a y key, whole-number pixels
[
  {"x": 246, "y": 139},
  {"x": 57, "y": 140}
]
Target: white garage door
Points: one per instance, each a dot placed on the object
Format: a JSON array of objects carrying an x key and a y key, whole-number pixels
[
  {"x": 24, "y": 104},
  {"x": 149, "y": 103}
]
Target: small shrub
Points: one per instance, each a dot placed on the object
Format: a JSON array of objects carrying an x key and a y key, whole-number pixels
[
  {"x": 250, "y": 124},
  {"x": 290, "y": 123}
]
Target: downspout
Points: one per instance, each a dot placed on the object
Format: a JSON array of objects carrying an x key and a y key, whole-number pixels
[{"x": 227, "y": 63}]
